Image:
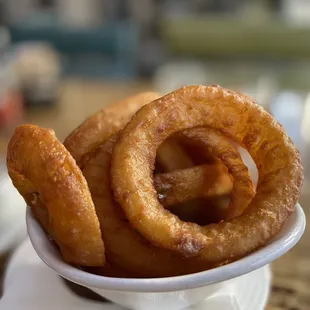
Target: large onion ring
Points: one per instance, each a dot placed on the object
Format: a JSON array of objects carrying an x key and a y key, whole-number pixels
[
  {"x": 243, "y": 191},
  {"x": 125, "y": 247},
  {"x": 188, "y": 184},
  {"x": 42, "y": 169},
  {"x": 172, "y": 157},
  {"x": 277, "y": 160},
  {"x": 103, "y": 124}
]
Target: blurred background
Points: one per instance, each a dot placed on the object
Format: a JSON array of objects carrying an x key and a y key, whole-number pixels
[{"x": 62, "y": 60}]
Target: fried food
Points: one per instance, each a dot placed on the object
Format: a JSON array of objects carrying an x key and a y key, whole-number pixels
[
  {"x": 198, "y": 154},
  {"x": 171, "y": 156},
  {"x": 243, "y": 191},
  {"x": 45, "y": 174},
  {"x": 236, "y": 116},
  {"x": 103, "y": 124},
  {"x": 180, "y": 194},
  {"x": 202, "y": 211},
  {"x": 118, "y": 218},
  {"x": 125, "y": 247},
  {"x": 188, "y": 184},
  {"x": 183, "y": 185}
]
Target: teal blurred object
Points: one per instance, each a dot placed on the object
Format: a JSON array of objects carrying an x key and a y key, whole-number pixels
[{"x": 107, "y": 51}]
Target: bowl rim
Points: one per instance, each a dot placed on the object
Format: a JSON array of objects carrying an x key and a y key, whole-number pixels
[{"x": 291, "y": 234}]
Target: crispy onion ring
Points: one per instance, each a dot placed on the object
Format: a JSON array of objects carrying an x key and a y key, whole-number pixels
[
  {"x": 103, "y": 124},
  {"x": 125, "y": 247},
  {"x": 42, "y": 169},
  {"x": 277, "y": 160},
  {"x": 243, "y": 190},
  {"x": 171, "y": 156},
  {"x": 187, "y": 184}
]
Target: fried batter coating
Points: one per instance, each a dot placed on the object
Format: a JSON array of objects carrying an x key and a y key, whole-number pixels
[
  {"x": 187, "y": 184},
  {"x": 125, "y": 247},
  {"x": 239, "y": 118},
  {"x": 243, "y": 191},
  {"x": 45, "y": 174},
  {"x": 103, "y": 124}
]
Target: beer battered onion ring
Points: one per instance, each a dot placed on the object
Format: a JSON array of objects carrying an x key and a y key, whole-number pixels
[
  {"x": 103, "y": 124},
  {"x": 125, "y": 247},
  {"x": 172, "y": 157},
  {"x": 243, "y": 190},
  {"x": 188, "y": 184},
  {"x": 183, "y": 185},
  {"x": 42, "y": 169},
  {"x": 235, "y": 115}
]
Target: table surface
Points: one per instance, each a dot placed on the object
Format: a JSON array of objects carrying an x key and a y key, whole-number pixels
[{"x": 78, "y": 99}]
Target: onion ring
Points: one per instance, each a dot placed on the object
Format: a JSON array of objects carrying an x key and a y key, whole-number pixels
[
  {"x": 243, "y": 191},
  {"x": 171, "y": 156},
  {"x": 103, "y": 124},
  {"x": 276, "y": 157},
  {"x": 42, "y": 169},
  {"x": 125, "y": 247},
  {"x": 199, "y": 155},
  {"x": 202, "y": 211},
  {"x": 187, "y": 184}
]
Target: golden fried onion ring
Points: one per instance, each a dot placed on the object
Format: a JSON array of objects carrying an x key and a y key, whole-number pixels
[
  {"x": 187, "y": 184},
  {"x": 103, "y": 124},
  {"x": 243, "y": 190},
  {"x": 277, "y": 160},
  {"x": 42, "y": 169},
  {"x": 125, "y": 247},
  {"x": 172, "y": 157}
]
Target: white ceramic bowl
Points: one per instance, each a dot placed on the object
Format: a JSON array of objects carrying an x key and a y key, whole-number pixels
[{"x": 171, "y": 292}]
